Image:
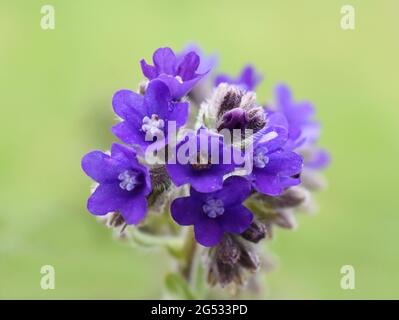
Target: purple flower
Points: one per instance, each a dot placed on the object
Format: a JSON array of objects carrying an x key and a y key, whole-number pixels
[
  {"x": 304, "y": 131},
  {"x": 146, "y": 117},
  {"x": 299, "y": 116},
  {"x": 248, "y": 79},
  {"x": 207, "y": 62},
  {"x": 179, "y": 74},
  {"x": 199, "y": 160},
  {"x": 274, "y": 168},
  {"x": 215, "y": 213},
  {"x": 123, "y": 183}
]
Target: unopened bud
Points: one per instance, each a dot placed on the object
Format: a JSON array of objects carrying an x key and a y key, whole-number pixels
[
  {"x": 249, "y": 259},
  {"x": 255, "y": 119},
  {"x": 228, "y": 252},
  {"x": 285, "y": 219},
  {"x": 255, "y": 232}
]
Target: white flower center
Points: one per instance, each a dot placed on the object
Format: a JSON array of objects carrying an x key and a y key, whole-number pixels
[
  {"x": 153, "y": 125},
  {"x": 128, "y": 180},
  {"x": 213, "y": 208},
  {"x": 178, "y": 78},
  {"x": 260, "y": 158}
]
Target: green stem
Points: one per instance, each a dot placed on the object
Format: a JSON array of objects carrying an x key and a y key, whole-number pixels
[{"x": 190, "y": 248}]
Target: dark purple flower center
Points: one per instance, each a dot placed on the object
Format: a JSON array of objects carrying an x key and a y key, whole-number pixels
[
  {"x": 213, "y": 208},
  {"x": 129, "y": 179}
]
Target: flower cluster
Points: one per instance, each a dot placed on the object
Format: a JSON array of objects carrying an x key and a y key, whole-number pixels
[{"x": 199, "y": 150}]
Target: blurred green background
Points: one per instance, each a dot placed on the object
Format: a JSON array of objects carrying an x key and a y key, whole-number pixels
[{"x": 56, "y": 87}]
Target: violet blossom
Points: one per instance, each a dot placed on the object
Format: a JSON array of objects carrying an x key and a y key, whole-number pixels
[
  {"x": 179, "y": 74},
  {"x": 203, "y": 172},
  {"x": 274, "y": 168},
  {"x": 145, "y": 118},
  {"x": 123, "y": 183},
  {"x": 215, "y": 213}
]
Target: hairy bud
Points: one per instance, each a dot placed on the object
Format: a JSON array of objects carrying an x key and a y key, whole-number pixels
[
  {"x": 255, "y": 232},
  {"x": 230, "y": 260}
]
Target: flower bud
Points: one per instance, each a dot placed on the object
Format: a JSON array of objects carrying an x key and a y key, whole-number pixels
[
  {"x": 249, "y": 259},
  {"x": 255, "y": 232},
  {"x": 292, "y": 197},
  {"x": 313, "y": 180},
  {"x": 285, "y": 219},
  {"x": 255, "y": 119},
  {"x": 230, "y": 260}
]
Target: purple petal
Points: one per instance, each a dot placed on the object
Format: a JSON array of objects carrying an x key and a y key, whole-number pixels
[
  {"x": 235, "y": 190},
  {"x": 150, "y": 72},
  {"x": 273, "y": 135},
  {"x": 223, "y": 78},
  {"x": 284, "y": 163},
  {"x": 286, "y": 182},
  {"x": 267, "y": 183},
  {"x": 107, "y": 198},
  {"x": 101, "y": 167},
  {"x": 134, "y": 210},
  {"x": 179, "y": 114},
  {"x": 179, "y": 173},
  {"x": 283, "y": 96},
  {"x": 124, "y": 154},
  {"x": 208, "y": 232},
  {"x": 188, "y": 66},
  {"x": 319, "y": 160},
  {"x": 128, "y": 105},
  {"x": 177, "y": 88},
  {"x": 236, "y": 219},
  {"x": 186, "y": 211},
  {"x": 207, "y": 182},
  {"x": 129, "y": 134},
  {"x": 156, "y": 99},
  {"x": 207, "y": 62},
  {"x": 276, "y": 119},
  {"x": 165, "y": 61},
  {"x": 249, "y": 78},
  {"x": 187, "y": 86},
  {"x": 276, "y": 175}
]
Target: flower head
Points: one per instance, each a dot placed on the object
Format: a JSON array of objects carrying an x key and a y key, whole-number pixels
[
  {"x": 178, "y": 73},
  {"x": 215, "y": 213},
  {"x": 145, "y": 118},
  {"x": 248, "y": 79},
  {"x": 201, "y": 161},
  {"x": 123, "y": 183}
]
